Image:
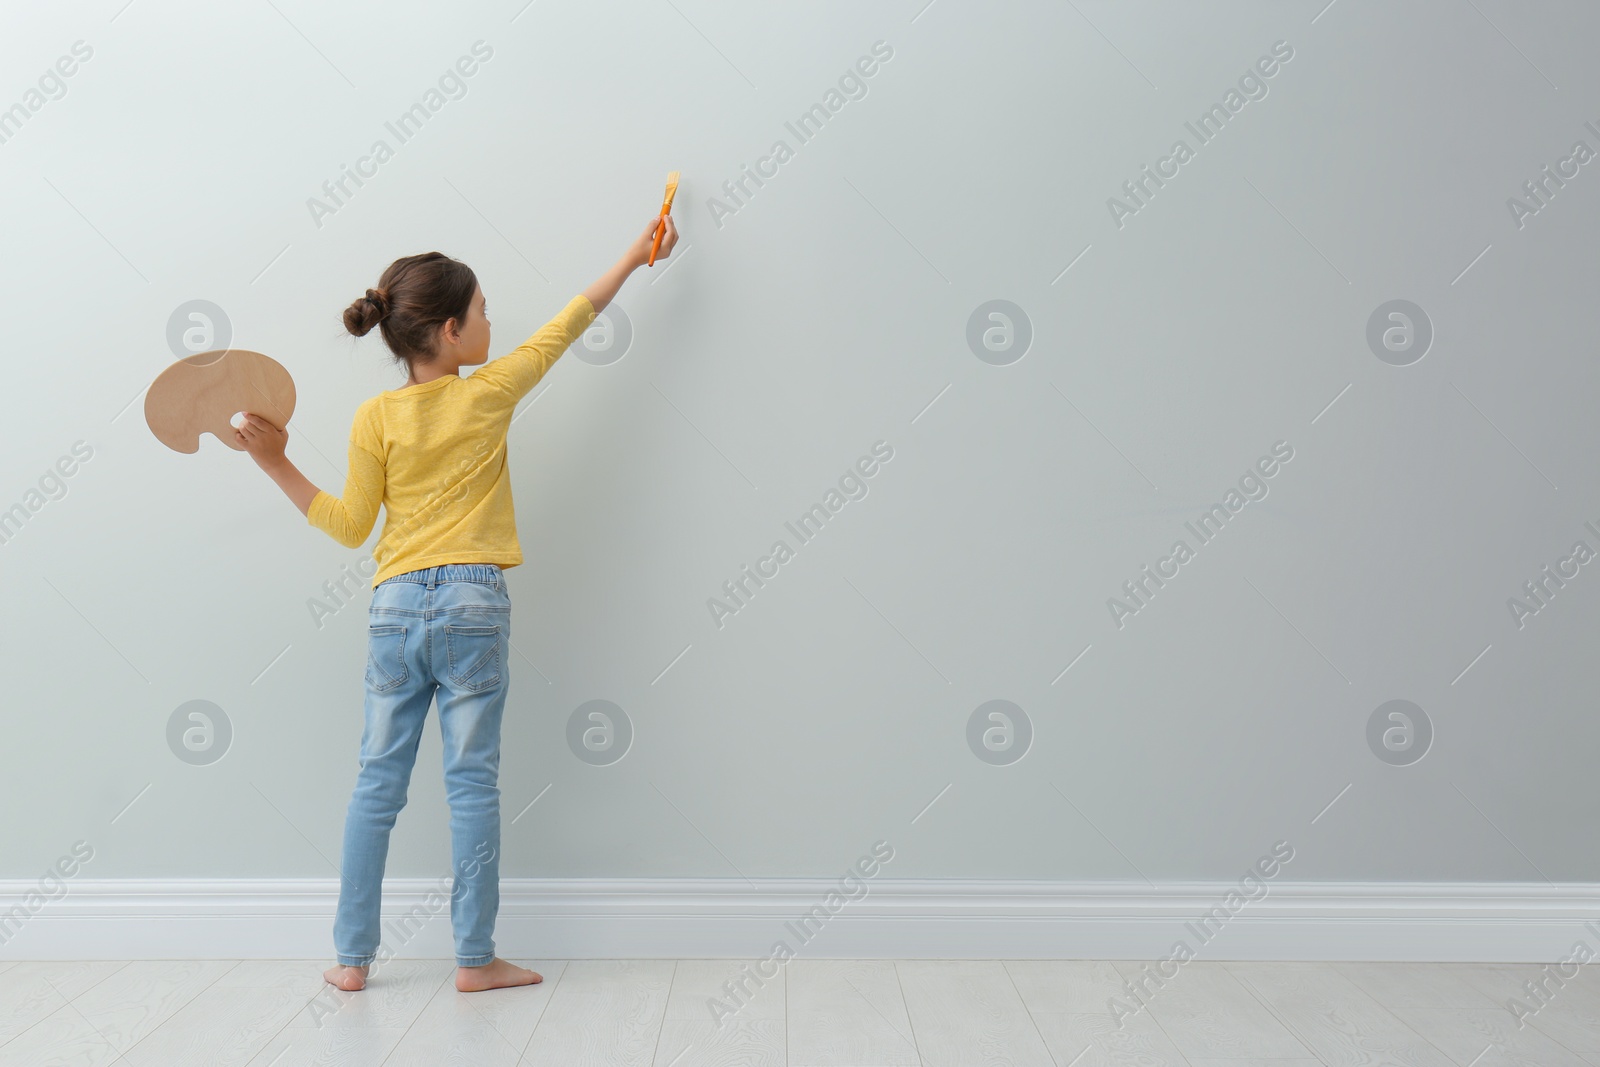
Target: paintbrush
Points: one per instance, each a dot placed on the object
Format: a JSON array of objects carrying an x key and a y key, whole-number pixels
[{"x": 666, "y": 209}]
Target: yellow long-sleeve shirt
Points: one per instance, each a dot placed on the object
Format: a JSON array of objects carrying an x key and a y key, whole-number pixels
[{"x": 434, "y": 455}]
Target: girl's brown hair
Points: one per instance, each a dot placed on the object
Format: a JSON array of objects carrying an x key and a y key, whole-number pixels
[{"x": 414, "y": 297}]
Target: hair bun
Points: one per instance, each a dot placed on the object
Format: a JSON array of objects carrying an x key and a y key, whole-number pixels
[{"x": 379, "y": 301}]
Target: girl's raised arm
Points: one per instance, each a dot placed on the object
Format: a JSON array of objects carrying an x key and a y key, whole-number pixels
[
  {"x": 518, "y": 371},
  {"x": 604, "y": 290}
]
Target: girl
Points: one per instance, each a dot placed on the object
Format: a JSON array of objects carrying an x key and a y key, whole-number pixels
[{"x": 433, "y": 453}]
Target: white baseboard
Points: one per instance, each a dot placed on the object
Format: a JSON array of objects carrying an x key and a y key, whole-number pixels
[{"x": 894, "y": 919}]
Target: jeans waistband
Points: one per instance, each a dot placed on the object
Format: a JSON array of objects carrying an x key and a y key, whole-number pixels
[{"x": 482, "y": 573}]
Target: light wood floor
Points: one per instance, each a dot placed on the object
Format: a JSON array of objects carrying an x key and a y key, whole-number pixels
[{"x": 813, "y": 1013}]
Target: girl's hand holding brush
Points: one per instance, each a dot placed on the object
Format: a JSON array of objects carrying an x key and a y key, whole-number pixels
[{"x": 640, "y": 253}]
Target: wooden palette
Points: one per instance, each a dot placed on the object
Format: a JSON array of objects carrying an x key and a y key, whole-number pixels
[{"x": 201, "y": 394}]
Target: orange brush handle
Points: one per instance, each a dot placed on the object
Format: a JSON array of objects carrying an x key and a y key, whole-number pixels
[
  {"x": 655, "y": 245},
  {"x": 661, "y": 227}
]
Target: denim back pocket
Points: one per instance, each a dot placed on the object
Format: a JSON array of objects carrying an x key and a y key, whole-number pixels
[
  {"x": 386, "y": 656},
  {"x": 474, "y": 653}
]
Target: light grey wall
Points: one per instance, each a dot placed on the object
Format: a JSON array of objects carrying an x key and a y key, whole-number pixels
[{"x": 1171, "y": 350}]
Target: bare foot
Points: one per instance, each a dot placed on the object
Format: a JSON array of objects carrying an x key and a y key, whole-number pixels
[
  {"x": 347, "y": 978},
  {"x": 496, "y": 974}
]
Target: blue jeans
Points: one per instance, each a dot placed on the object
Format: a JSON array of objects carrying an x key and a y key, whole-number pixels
[{"x": 441, "y": 630}]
